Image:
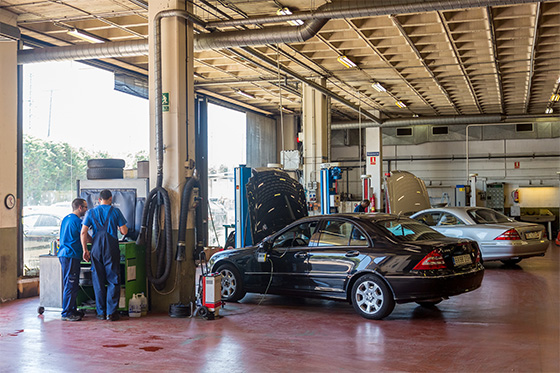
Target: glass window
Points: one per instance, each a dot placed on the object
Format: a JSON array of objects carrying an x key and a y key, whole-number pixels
[
  {"x": 487, "y": 216},
  {"x": 450, "y": 219},
  {"x": 409, "y": 230},
  {"x": 297, "y": 236},
  {"x": 336, "y": 233},
  {"x": 358, "y": 238},
  {"x": 429, "y": 218}
]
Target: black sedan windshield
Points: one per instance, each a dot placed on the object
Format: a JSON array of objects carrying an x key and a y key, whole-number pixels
[
  {"x": 487, "y": 216},
  {"x": 409, "y": 230}
]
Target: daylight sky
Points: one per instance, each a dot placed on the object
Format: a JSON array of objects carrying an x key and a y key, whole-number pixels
[{"x": 75, "y": 103}]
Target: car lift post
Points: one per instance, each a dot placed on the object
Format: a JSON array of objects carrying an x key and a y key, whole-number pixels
[{"x": 243, "y": 236}]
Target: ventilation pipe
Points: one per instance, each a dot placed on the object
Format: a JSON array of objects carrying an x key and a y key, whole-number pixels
[
  {"x": 368, "y": 8},
  {"x": 269, "y": 35},
  {"x": 215, "y": 40},
  {"x": 129, "y": 48},
  {"x": 450, "y": 120}
]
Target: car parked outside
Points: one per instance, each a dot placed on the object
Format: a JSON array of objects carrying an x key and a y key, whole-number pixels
[
  {"x": 41, "y": 227},
  {"x": 499, "y": 237},
  {"x": 370, "y": 260}
]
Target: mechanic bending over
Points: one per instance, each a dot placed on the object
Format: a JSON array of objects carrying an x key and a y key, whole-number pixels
[{"x": 105, "y": 221}]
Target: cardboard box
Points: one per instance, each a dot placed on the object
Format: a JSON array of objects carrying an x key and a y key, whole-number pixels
[{"x": 28, "y": 287}]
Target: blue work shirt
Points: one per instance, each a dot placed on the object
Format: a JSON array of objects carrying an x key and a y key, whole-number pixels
[
  {"x": 359, "y": 208},
  {"x": 70, "y": 245},
  {"x": 99, "y": 213}
]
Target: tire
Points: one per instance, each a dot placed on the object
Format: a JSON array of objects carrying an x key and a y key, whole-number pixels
[
  {"x": 104, "y": 173},
  {"x": 372, "y": 298},
  {"x": 511, "y": 262},
  {"x": 429, "y": 304},
  {"x": 232, "y": 285},
  {"x": 106, "y": 163},
  {"x": 203, "y": 312}
]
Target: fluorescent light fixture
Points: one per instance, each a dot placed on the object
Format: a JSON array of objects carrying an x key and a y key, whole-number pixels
[
  {"x": 245, "y": 94},
  {"x": 378, "y": 87},
  {"x": 295, "y": 22},
  {"x": 549, "y": 110},
  {"x": 284, "y": 11},
  {"x": 346, "y": 62},
  {"x": 85, "y": 36},
  {"x": 555, "y": 97},
  {"x": 287, "y": 12},
  {"x": 287, "y": 110},
  {"x": 400, "y": 104}
]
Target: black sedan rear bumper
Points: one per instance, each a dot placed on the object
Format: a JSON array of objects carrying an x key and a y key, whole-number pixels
[{"x": 413, "y": 288}]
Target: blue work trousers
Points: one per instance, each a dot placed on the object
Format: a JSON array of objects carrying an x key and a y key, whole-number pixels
[
  {"x": 105, "y": 269},
  {"x": 71, "y": 281}
]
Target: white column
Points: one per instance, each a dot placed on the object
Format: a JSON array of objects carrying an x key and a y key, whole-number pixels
[
  {"x": 316, "y": 113},
  {"x": 178, "y": 135},
  {"x": 8, "y": 163},
  {"x": 374, "y": 162}
]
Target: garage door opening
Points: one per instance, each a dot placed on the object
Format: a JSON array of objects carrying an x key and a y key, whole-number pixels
[
  {"x": 71, "y": 113},
  {"x": 226, "y": 150}
]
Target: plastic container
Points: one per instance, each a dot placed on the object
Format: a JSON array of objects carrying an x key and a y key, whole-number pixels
[
  {"x": 134, "y": 307},
  {"x": 143, "y": 304}
]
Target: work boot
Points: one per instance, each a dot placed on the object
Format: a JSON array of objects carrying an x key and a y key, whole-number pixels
[
  {"x": 101, "y": 316},
  {"x": 71, "y": 318},
  {"x": 113, "y": 317}
]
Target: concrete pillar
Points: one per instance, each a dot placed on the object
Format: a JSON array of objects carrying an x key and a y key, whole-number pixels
[
  {"x": 8, "y": 164},
  {"x": 316, "y": 120},
  {"x": 374, "y": 163},
  {"x": 178, "y": 138}
]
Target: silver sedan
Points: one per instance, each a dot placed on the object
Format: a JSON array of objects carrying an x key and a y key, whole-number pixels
[{"x": 499, "y": 237}]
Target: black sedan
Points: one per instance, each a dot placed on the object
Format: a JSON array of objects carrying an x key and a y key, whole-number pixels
[{"x": 371, "y": 260}]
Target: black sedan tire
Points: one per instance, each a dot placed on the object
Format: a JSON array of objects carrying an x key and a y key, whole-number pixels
[
  {"x": 232, "y": 285},
  {"x": 372, "y": 298}
]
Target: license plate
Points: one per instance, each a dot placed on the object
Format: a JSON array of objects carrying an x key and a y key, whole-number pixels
[
  {"x": 461, "y": 260},
  {"x": 533, "y": 235}
]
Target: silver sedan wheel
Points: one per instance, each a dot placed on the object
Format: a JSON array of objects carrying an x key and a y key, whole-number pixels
[
  {"x": 229, "y": 283},
  {"x": 369, "y": 297}
]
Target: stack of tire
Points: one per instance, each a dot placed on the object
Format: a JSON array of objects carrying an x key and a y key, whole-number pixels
[
  {"x": 274, "y": 201},
  {"x": 109, "y": 168}
]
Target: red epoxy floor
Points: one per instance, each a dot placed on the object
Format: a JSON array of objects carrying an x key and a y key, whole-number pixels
[{"x": 510, "y": 324}]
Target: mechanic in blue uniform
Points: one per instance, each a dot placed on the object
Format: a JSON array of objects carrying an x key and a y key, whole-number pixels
[
  {"x": 69, "y": 255},
  {"x": 362, "y": 206},
  {"x": 105, "y": 220}
]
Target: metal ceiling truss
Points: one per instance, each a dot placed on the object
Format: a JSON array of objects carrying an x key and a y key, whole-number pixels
[{"x": 442, "y": 58}]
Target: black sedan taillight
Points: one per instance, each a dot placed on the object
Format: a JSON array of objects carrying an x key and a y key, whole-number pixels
[{"x": 434, "y": 260}]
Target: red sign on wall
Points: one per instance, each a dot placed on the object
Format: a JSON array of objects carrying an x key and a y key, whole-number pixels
[
  {"x": 516, "y": 164},
  {"x": 373, "y": 160}
]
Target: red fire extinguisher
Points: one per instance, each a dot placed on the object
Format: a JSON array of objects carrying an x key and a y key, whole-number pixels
[
  {"x": 515, "y": 195},
  {"x": 372, "y": 203}
]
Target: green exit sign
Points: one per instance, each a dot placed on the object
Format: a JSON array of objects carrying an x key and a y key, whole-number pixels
[{"x": 165, "y": 101}]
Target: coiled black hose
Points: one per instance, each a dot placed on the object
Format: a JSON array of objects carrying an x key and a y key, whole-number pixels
[
  {"x": 185, "y": 201},
  {"x": 164, "y": 248}
]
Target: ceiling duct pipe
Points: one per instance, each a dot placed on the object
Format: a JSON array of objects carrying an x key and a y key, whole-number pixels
[
  {"x": 129, "y": 48},
  {"x": 450, "y": 120},
  {"x": 216, "y": 40},
  {"x": 367, "y": 8},
  {"x": 268, "y": 35}
]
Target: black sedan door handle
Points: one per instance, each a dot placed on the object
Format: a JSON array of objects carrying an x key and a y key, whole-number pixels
[
  {"x": 352, "y": 253},
  {"x": 300, "y": 255}
]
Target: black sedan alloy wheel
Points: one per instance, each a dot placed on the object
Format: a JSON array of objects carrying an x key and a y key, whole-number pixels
[
  {"x": 372, "y": 298},
  {"x": 232, "y": 288}
]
